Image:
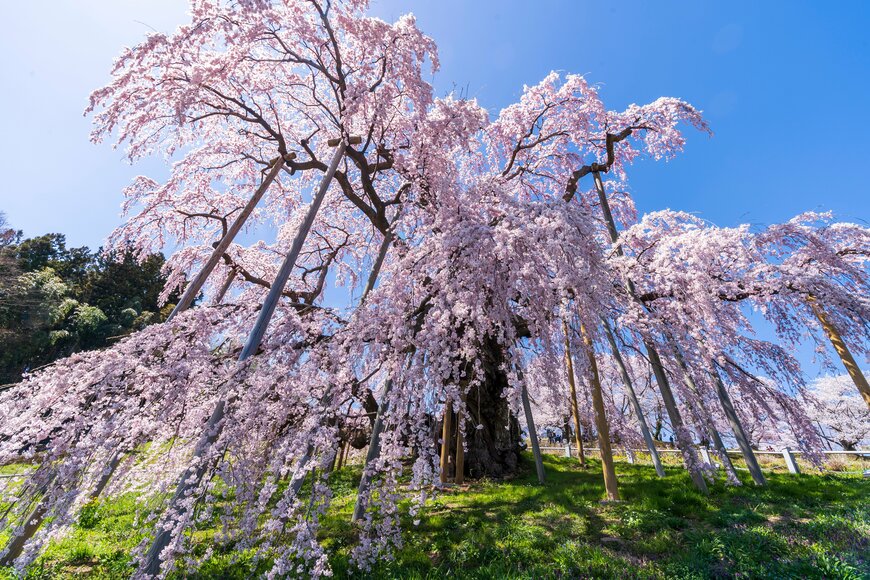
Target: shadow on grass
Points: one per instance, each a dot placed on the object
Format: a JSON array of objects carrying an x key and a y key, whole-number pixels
[
  {"x": 662, "y": 528},
  {"x": 806, "y": 526}
]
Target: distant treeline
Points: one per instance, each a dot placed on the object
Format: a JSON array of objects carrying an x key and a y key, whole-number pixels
[{"x": 55, "y": 300}]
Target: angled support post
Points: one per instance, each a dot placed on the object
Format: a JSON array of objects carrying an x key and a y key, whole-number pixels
[
  {"x": 689, "y": 456},
  {"x": 842, "y": 350},
  {"x": 533, "y": 434},
  {"x": 373, "y": 452},
  {"x": 790, "y": 461},
  {"x": 632, "y": 396},
  {"x": 737, "y": 428},
  {"x": 705, "y": 455},
  {"x": 572, "y": 393},
  {"x": 196, "y": 285},
  {"x": 194, "y": 474},
  {"x": 446, "y": 431}
]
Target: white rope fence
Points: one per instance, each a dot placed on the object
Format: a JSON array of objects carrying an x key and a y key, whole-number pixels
[{"x": 788, "y": 456}]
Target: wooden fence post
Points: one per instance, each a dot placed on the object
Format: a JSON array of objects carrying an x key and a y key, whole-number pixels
[
  {"x": 705, "y": 455},
  {"x": 790, "y": 461}
]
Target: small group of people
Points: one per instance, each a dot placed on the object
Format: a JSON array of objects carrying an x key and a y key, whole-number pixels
[{"x": 553, "y": 437}]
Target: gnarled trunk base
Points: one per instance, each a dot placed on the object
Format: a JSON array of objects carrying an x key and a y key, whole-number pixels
[{"x": 494, "y": 449}]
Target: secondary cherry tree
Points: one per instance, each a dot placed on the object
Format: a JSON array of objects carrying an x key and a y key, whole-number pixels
[{"x": 835, "y": 407}]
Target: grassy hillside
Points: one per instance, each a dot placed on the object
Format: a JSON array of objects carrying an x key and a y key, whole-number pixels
[{"x": 800, "y": 526}]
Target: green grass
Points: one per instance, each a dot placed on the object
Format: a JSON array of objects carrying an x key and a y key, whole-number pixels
[{"x": 806, "y": 526}]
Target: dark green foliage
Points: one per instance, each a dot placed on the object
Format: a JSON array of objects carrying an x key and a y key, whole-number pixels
[
  {"x": 50, "y": 251},
  {"x": 807, "y": 526},
  {"x": 55, "y": 300},
  {"x": 119, "y": 282}
]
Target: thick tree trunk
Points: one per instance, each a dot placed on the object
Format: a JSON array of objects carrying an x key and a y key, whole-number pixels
[
  {"x": 610, "y": 484},
  {"x": 842, "y": 350},
  {"x": 492, "y": 450},
  {"x": 635, "y": 403}
]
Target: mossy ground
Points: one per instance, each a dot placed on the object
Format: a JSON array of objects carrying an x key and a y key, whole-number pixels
[{"x": 800, "y": 526}]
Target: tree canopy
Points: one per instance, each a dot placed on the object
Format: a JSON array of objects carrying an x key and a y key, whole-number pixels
[{"x": 473, "y": 251}]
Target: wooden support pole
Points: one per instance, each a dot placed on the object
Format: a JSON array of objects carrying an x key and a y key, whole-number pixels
[
  {"x": 705, "y": 455},
  {"x": 35, "y": 518},
  {"x": 335, "y": 458},
  {"x": 632, "y": 396},
  {"x": 29, "y": 527},
  {"x": 339, "y": 457},
  {"x": 345, "y": 453},
  {"x": 842, "y": 350},
  {"x": 375, "y": 441},
  {"x": 20, "y": 536},
  {"x": 194, "y": 287},
  {"x": 376, "y": 267},
  {"x": 459, "y": 478},
  {"x": 572, "y": 393},
  {"x": 446, "y": 430},
  {"x": 277, "y": 288},
  {"x": 231, "y": 276},
  {"x": 533, "y": 434},
  {"x": 606, "y": 453},
  {"x": 690, "y": 457},
  {"x": 373, "y": 452},
  {"x": 352, "y": 140},
  {"x": 739, "y": 433},
  {"x": 106, "y": 476},
  {"x": 790, "y": 461},
  {"x": 194, "y": 474},
  {"x": 689, "y": 381}
]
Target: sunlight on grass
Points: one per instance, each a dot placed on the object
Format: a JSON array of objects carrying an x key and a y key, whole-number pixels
[{"x": 800, "y": 526}]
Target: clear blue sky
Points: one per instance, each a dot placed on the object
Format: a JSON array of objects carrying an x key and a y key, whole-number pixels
[{"x": 785, "y": 86}]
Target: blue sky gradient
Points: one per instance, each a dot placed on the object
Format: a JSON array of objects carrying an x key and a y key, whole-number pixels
[{"x": 784, "y": 85}]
